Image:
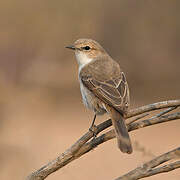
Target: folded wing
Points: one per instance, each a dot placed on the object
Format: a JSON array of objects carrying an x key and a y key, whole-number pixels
[{"x": 111, "y": 89}]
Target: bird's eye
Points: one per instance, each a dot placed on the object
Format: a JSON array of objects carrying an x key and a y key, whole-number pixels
[{"x": 86, "y": 48}]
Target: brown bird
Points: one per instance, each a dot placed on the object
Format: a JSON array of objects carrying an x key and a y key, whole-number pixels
[{"x": 103, "y": 87}]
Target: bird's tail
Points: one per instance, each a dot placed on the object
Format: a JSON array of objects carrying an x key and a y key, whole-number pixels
[{"x": 122, "y": 135}]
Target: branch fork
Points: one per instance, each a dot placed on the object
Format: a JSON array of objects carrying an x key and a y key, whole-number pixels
[{"x": 87, "y": 143}]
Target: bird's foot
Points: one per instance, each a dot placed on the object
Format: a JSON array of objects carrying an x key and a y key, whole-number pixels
[{"x": 93, "y": 129}]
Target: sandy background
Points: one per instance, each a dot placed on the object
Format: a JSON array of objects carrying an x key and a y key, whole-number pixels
[{"x": 41, "y": 113}]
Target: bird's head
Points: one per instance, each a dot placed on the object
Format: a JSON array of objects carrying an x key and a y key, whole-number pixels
[{"x": 86, "y": 50}]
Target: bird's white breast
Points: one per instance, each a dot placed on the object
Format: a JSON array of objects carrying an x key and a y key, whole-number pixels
[
  {"x": 82, "y": 59},
  {"x": 87, "y": 96},
  {"x": 89, "y": 99}
]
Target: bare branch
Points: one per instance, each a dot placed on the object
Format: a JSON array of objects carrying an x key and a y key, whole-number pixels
[
  {"x": 163, "y": 169},
  {"x": 152, "y": 107},
  {"x": 164, "y": 112},
  {"x": 153, "y": 121},
  {"x": 137, "y": 118},
  {"x": 82, "y": 146},
  {"x": 148, "y": 169},
  {"x": 68, "y": 156},
  {"x": 137, "y": 125}
]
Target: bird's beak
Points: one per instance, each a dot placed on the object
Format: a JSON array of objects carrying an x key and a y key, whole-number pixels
[{"x": 71, "y": 47}]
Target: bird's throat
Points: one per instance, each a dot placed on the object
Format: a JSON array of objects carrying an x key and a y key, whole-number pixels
[{"x": 82, "y": 59}]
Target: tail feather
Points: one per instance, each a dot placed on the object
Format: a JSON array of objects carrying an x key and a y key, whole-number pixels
[{"x": 122, "y": 135}]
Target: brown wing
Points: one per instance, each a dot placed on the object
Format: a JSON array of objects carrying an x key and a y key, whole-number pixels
[{"x": 108, "y": 83}]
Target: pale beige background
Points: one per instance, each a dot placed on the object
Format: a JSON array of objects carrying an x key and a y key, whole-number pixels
[{"x": 40, "y": 105}]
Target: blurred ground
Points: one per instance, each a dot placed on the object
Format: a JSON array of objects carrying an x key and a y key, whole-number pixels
[{"x": 41, "y": 109}]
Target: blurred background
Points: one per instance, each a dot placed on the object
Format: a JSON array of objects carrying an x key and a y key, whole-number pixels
[{"x": 41, "y": 113}]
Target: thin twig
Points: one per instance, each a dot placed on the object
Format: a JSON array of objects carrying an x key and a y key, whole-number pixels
[
  {"x": 148, "y": 169},
  {"x": 152, "y": 107},
  {"x": 164, "y": 112},
  {"x": 137, "y": 118},
  {"x": 149, "y": 122},
  {"x": 82, "y": 146},
  {"x": 163, "y": 169}
]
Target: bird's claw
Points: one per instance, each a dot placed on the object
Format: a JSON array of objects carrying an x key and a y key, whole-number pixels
[{"x": 93, "y": 129}]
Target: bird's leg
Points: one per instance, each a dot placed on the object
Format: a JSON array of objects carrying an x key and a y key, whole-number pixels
[
  {"x": 93, "y": 121},
  {"x": 92, "y": 127}
]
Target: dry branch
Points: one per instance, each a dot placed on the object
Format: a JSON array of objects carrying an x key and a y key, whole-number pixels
[
  {"x": 148, "y": 169},
  {"x": 83, "y": 145}
]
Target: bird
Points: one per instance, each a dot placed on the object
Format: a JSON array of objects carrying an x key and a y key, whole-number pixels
[{"x": 103, "y": 87}]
